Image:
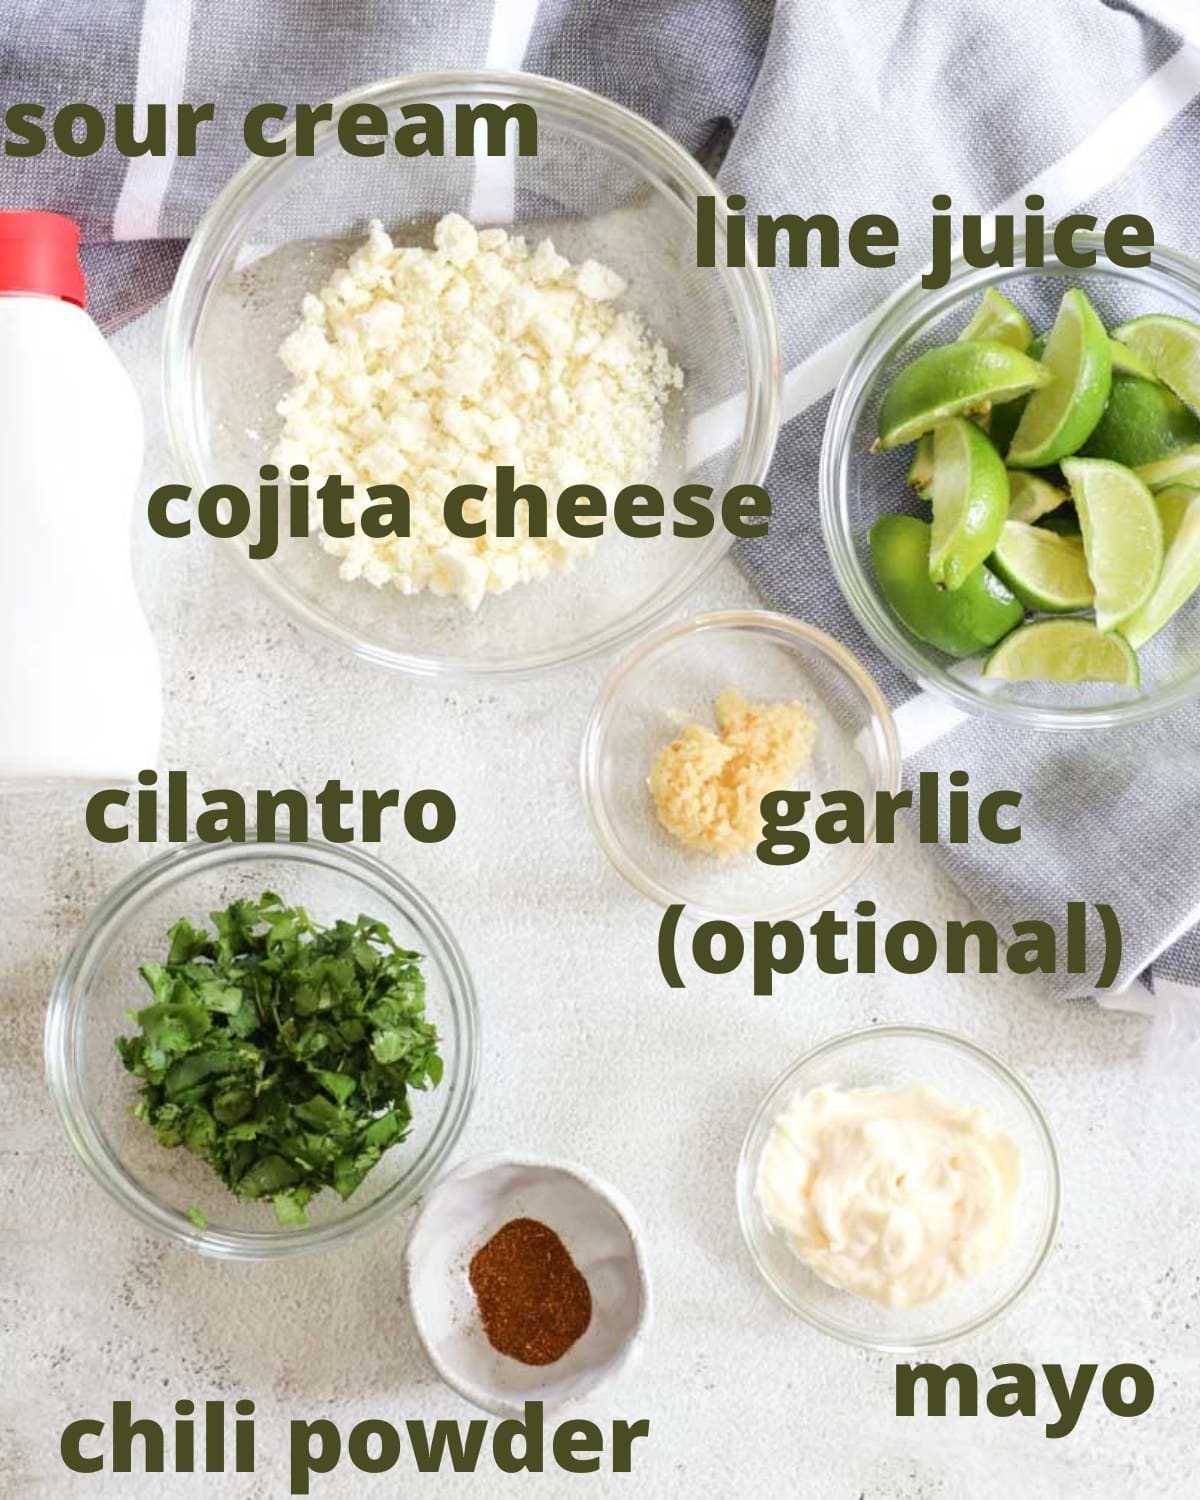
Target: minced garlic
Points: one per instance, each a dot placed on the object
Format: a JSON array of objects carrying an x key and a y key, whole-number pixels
[{"x": 707, "y": 787}]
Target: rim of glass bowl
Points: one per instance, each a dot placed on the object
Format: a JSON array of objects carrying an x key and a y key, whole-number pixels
[
  {"x": 635, "y": 141},
  {"x": 64, "y": 1037},
  {"x": 901, "y": 318},
  {"x": 747, "y": 1170},
  {"x": 765, "y": 622}
]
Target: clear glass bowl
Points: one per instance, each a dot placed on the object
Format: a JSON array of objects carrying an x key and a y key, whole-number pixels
[
  {"x": 596, "y": 1224},
  {"x": 857, "y": 486},
  {"x": 99, "y": 984},
  {"x": 891, "y": 1056},
  {"x": 672, "y": 679},
  {"x": 606, "y": 184}
]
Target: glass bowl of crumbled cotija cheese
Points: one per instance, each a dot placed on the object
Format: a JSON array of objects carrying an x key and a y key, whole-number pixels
[
  {"x": 454, "y": 336},
  {"x": 704, "y": 721}
]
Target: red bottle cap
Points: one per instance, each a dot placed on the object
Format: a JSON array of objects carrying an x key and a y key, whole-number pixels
[{"x": 39, "y": 252}]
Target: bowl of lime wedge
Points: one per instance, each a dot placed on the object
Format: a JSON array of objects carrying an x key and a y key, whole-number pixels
[{"x": 1010, "y": 489}]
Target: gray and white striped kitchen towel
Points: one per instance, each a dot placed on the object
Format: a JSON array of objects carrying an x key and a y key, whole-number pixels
[{"x": 843, "y": 106}]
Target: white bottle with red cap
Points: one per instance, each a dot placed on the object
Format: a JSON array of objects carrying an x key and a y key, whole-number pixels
[{"x": 80, "y": 696}]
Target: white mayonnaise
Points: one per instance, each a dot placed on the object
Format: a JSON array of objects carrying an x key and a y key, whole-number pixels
[{"x": 894, "y": 1194}]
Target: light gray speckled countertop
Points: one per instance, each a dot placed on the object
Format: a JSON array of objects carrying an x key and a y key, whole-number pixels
[{"x": 587, "y": 1055}]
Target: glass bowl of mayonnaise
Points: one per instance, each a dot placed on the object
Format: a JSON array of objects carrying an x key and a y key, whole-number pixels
[{"x": 899, "y": 1187}]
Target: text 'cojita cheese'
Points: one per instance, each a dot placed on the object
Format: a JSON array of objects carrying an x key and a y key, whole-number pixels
[{"x": 435, "y": 366}]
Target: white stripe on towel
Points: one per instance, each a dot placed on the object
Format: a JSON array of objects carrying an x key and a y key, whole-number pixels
[
  {"x": 162, "y": 67},
  {"x": 493, "y": 197},
  {"x": 923, "y": 719}
]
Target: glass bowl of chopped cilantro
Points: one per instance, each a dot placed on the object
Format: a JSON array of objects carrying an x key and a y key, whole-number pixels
[{"x": 264, "y": 1049}]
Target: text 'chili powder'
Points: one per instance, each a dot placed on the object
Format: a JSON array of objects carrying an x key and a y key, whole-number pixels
[{"x": 532, "y": 1297}]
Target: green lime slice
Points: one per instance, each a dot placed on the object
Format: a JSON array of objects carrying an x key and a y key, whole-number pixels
[
  {"x": 961, "y": 623},
  {"x": 951, "y": 381},
  {"x": 920, "y": 471},
  {"x": 970, "y": 501},
  {"x": 1044, "y": 570},
  {"x": 1173, "y": 505},
  {"x": 1142, "y": 423},
  {"x": 1063, "y": 651},
  {"x": 1058, "y": 418},
  {"x": 1179, "y": 510},
  {"x": 1030, "y": 496},
  {"x": 1003, "y": 420},
  {"x": 1171, "y": 347},
  {"x": 996, "y": 318},
  {"x": 1126, "y": 362},
  {"x": 1122, "y": 536},
  {"x": 1182, "y": 467}
]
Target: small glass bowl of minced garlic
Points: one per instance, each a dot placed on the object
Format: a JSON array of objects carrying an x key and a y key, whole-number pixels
[{"x": 697, "y": 726}]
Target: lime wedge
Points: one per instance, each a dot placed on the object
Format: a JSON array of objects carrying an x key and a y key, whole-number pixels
[
  {"x": 970, "y": 501},
  {"x": 1058, "y": 418},
  {"x": 1142, "y": 423},
  {"x": 996, "y": 318},
  {"x": 1044, "y": 570},
  {"x": 920, "y": 471},
  {"x": 951, "y": 381},
  {"x": 1171, "y": 347},
  {"x": 1126, "y": 362},
  {"x": 1063, "y": 651},
  {"x": 1122, "y": 536},
  {"x": 1180, "y": 512},
  {"x": 1182, "y": 467},
  {"x": 961, "y": 623},
  {"x": 1030, "y": 496},
  {"x": 1003, "y": 420},
  {"x": 1173, "y": 506}
]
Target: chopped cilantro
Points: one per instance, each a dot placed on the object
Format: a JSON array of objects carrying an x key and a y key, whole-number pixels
[{"x": 281, "y": 1051}]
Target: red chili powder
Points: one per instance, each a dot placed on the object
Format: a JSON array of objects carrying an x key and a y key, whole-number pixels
[{"x": 533, "y": 1299}]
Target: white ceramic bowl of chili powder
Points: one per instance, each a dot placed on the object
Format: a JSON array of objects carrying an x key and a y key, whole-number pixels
[{"x": 597, "y": 1230}]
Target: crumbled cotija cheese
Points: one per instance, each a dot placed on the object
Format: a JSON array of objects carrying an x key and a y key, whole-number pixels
[
  {"x": 707, "y": 787},
  {"x": 429, "y": 368}
]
